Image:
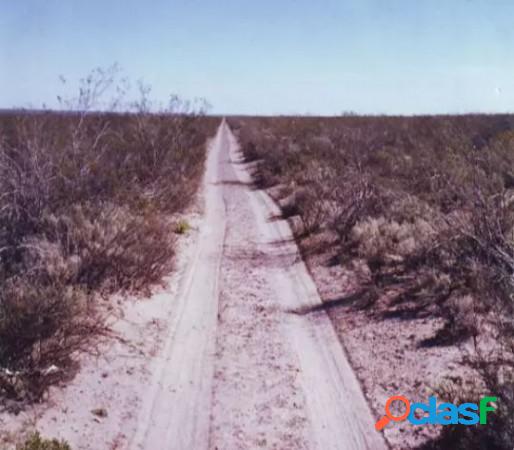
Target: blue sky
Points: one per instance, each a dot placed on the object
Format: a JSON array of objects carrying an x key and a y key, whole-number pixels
[{"x": 270, "y": 56}]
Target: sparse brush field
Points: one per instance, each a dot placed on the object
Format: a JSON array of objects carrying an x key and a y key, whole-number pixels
[
  {"x": 89, "y": 206},
  {"x": 407, "y": 224}
]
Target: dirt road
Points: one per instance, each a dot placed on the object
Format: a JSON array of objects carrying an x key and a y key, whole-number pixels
[
  {"x": 218, "y": 359},
  {"x": 239, "y": 369}
]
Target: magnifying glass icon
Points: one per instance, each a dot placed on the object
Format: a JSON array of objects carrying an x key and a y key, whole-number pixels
[{"x": 389, "y": 416}]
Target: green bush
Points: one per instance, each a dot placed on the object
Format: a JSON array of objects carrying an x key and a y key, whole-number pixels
[
  {"x": 182, "y": 227},
  {"x": 36, "y": 442}
]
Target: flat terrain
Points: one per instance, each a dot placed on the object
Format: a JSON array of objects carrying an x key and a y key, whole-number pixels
[
  {"x": 405, "y": 225},
  {"x": 233, "y": 364},
  {"x": 281, "y": 379}
]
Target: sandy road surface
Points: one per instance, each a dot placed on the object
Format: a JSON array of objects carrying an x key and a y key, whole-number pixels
[
  {"x": 176, "y": 413},
  {"x": 281, "y": 380}
]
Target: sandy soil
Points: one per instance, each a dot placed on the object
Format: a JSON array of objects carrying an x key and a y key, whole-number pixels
[
  {"x": 116, "y": 377},
  {"x": 114, "y": 381},
  {"x": 389, "y": 355},
  {"x": 282, "y": 379},
  {"x": 220, "y": 358}
]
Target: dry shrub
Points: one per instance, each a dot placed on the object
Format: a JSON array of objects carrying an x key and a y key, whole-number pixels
[
  {"x": 427, "y": 202},
  {"x": 498, "y": 434},
  {"x": 309, "y": 208},
  {"x": 114, "y": 249},
  {"x": 87, "y": 206},
  {"x": 309, "y": 197},
  {"x": 350, "y": 200},
  {"x": 41, "y": 326},
  {"x": 380, "y": 237}
]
